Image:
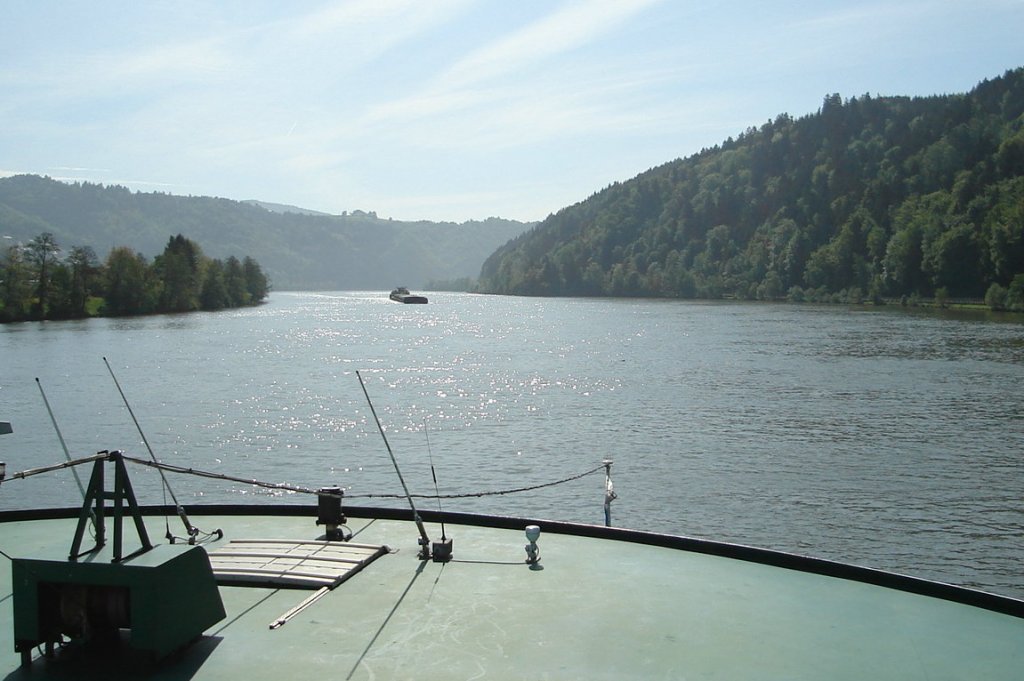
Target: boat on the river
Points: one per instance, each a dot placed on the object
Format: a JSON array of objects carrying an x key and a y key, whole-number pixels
[
  {"x": 321, "y": 590},
  {"x": 402, "y": 295}
]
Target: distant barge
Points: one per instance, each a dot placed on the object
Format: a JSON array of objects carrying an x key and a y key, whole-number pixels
[{"x": 402, "y": 295}]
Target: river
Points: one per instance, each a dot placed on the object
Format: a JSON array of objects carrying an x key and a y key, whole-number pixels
[{"x": 883, "y": 437}]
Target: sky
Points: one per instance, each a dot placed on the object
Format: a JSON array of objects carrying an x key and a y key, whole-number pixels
[{"x": 448, "y": 110}]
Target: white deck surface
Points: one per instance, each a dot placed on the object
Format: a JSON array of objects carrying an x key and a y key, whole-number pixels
[{"x": 287, "y": 563}]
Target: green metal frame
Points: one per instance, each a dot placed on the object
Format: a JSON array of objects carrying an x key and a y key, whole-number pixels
[{"x": 94, "y": 511}]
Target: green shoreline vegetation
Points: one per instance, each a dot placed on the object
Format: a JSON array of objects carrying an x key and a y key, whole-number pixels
[
  {"x": 37, "y": 284},
  {"x": 869, "y": 200}
]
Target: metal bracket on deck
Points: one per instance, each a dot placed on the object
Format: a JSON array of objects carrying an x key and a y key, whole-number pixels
[{"x": 121, "y": 494}]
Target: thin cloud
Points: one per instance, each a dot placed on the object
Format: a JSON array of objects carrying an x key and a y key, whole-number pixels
[
  {"x": 79, "y": 169},
  {"x": 384, "y": 19},
  {"x": 877, "y": 15},
  {"x": 478, "y": 85},
  {"x": 190, "y": 61},
  {"x": 118, "y": 182},
  {"x": 342, "y": 38},
  {"x": 563, "y": 31}
]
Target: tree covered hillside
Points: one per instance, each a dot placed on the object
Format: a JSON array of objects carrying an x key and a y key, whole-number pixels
[
  {"x": 869, "y": 197},
  {"x": 297, "y": 250}
]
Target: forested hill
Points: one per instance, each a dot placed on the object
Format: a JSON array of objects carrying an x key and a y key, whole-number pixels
[
  {"x": 869, "y": 197},
  {"x": 297, "y": 251}
]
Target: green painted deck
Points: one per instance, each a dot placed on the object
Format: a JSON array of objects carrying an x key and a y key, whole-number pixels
[{"x": 598, "y": 609}]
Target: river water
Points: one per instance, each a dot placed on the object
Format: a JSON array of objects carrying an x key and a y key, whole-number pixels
[{"x": 880, "y": 437}]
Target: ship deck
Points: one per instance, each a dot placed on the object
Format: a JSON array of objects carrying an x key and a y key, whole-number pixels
[{"x": 600, "y": 605}]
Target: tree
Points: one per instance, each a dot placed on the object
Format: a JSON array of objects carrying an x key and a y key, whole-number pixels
[
  {"x": 214, "y": 294},
  {"x": 954, "y": 261},
  {"x": 42, "y": 252},
  {"x": 14, "y": 285},
  {"x": 256, "y": 282},
  {"x": 824, "y": 269},
  {"x": 59, "y": 299},
  {"x": 995, "y": 297},
  {"x": 902, "y": 262},
  {"x": 128, "y": 290},
  {"x": 1015, "y": 294},
  {"x": 83, "y": 269},
  {"x": 178, "y": 270},
  {"x": 771, "y": 288},
  {"x": 234, "y": 283}
]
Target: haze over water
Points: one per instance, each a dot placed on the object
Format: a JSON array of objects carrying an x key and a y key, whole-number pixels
[{"x": 881, "y": 437}]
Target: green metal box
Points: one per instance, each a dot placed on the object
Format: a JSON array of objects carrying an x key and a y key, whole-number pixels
[{"x": 165, "y": 597}]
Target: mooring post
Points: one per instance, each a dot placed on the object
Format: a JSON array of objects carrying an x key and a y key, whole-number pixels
[{"x": 609, "y": 492}]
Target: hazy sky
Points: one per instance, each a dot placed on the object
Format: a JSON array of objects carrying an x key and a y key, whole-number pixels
[{"x": 448, "y": 109}]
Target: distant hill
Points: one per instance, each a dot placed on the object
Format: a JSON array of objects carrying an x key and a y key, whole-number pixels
[
  {"x": 283, "y": 208},
  {"x": 297, "y": 249},
  {"x": 868, "y": 197}
]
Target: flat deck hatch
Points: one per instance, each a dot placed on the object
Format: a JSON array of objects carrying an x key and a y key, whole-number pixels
[{"x": 290, "y": 564}]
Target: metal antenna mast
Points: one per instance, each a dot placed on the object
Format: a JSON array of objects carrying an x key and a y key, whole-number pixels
[
  {"x": 67, "y": 454},
  {"x": 424, "y": 539}
]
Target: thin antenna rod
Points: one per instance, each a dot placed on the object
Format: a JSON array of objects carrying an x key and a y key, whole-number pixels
[
  {"x": 67, "y": 454},
  {"x": 437, "y": 492},
  {"x": 192, "y": 531},
  {"x": 424, "y": 539}
]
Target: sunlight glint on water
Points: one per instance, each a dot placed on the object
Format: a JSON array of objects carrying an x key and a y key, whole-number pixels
[{"x": 883, "y": 438}]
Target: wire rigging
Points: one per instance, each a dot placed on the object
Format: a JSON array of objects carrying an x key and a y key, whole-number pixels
[
  {"x": 170, "y": 468},
  {"x": 467, "y": 495}
]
